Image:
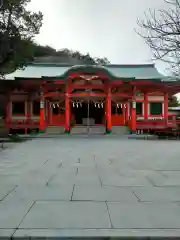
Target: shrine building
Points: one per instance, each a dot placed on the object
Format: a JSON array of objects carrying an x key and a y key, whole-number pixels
[{"x": 46, "y": 95}]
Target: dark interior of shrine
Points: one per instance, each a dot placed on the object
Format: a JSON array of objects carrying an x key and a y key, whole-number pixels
[{"x": 92, "y": 111}]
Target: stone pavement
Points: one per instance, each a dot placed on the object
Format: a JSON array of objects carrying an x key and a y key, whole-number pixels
[{"x": 90, "y": 187}]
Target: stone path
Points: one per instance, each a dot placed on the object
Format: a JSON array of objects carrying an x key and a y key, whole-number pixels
[{"x": 90, "y": 187}]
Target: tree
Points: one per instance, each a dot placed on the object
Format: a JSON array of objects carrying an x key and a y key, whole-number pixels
[
  {"x": 18, "y": 26},
  {"x": 102, "y": 61},
  {"x": 173, "y": 102},
  {"x": 161, "y": 31},
  {"x": 69, "y": 56},
  {"x": 41, "y": 51}
]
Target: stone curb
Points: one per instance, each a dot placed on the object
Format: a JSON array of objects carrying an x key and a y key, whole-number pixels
[{"x": 89, "y": 234}]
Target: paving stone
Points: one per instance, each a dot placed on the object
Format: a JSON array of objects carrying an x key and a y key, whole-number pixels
[
  {"x": 90, "y": 179},
  {"x": 160, "y": 164},
  {"x": 33, "y": 181},
  {"x": 119, "y": 163},
  {"x": 116, "y": 180},
  {"x": 9, "y": 180},
  {"x": 158, "y": 194},
  {"x": 145, "y": 215},
  {"x": 78, "y": 179},
  {"x": 64, "y": 171},
  {"x": 45, "y": 193},
  {"x": 67, "y": 215},
  {"x": 83, "y": 170},
  {"x": 78, "y": 163},
  {"x": 164, "y": 181},
  {"x": 171, "y": 174},
  {"x": 59, "y": 180},
  {"x": 63, "y": 175},
  {"x": 95, "y": 193},
  {"x": 132, "y": 173},
  {"x": 12, "y": 213},
  {"x": 5, "y": 190}
]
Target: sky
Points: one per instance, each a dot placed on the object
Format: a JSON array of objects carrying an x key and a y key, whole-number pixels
[{"x": 101, "y": 27}]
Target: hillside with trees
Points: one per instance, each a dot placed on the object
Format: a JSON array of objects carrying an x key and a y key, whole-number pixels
[
  {"x": 18, "y": 28},
  {"x": 49, "y": 54}
]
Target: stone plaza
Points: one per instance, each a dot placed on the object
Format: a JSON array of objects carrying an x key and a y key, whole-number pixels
[{"x": 90, "y": 186}]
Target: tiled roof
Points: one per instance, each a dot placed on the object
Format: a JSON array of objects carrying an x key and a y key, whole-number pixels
[{"x": 115, "y": 72}]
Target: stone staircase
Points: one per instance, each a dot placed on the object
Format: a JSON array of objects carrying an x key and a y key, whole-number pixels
[
  {"x": 85, "y": 130},
  {"x": 54, "y": 130},
  {"x": 119, "y": 130},
  {"x": 97, "y": 130}
]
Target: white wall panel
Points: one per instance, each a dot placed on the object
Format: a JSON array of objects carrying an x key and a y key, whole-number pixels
[{"x": 155, "y": 98}]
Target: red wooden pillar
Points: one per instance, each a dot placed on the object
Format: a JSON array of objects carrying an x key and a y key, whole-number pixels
[
  {"x": 28, "y": 110},
  {"x": 67, "y": 113},
  {"x": 127, "y": 113},
  {"x": 133, "y": 112},
  {"x": 124, "y": 113},
  {"x": 146, "y": 106},
  {"x": 108, "y": 111},
  {"x": 28, "y": 113},
  {"x": 48, "y": 113},
  {"x": 166, "y": 99},
  {"x": 42, "y": 114}
]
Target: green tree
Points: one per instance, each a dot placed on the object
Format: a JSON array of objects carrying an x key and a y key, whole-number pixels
[
  {"x": 18, "y": 26},
  {"x": 42, "y": 51},
  {"x": 67, "y": 55}
]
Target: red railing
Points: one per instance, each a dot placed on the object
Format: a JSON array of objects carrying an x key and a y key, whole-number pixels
[
  {"x": 20, "y": 124},
  {"x": 156, "y": 124}
]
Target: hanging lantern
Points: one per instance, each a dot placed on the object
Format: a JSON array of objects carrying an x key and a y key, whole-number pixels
[
  {"x": 98, "y": 105},
  {"x": 73, "y": 104},
  {"x": 77, "y": 105},
  {"x": 57, "y": 104},
  {"x": 80, "y": 104},
  {"x": 102, "y": 105},
  {"x": 95, "y": 105},
  {"x": 54, "y": 105},
  {"x": 117, "y": 105}
]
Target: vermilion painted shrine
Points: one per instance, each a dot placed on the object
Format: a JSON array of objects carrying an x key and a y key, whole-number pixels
[{"x": 61, "y": 95}]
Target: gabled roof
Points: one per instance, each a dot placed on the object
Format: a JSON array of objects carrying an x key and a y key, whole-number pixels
[{"x": 61, "y": 71}]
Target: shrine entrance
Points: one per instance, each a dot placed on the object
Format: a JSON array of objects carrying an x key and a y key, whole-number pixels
[{"x": 88, "y": 113}]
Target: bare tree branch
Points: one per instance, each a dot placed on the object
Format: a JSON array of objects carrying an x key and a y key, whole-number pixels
[{"x": 161, "y": 31}]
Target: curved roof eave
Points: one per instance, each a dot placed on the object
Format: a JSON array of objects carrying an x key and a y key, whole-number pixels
[{"x": 113, "y": 72}]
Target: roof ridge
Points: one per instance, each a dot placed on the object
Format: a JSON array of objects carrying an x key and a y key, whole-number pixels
[
  {"x": 50, "y": 64},
  {"x": 130, "y": 65}
]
